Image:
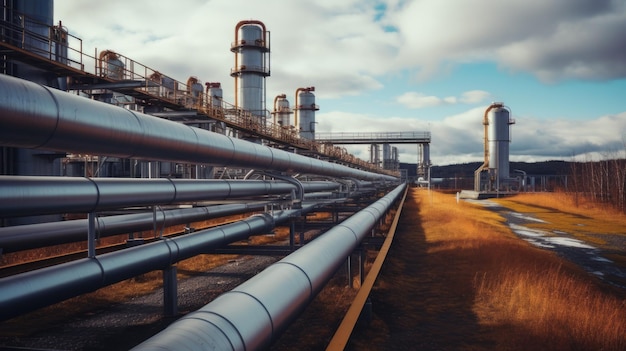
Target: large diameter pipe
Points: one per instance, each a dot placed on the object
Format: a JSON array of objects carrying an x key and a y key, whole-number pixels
[
  {"x": 42, "y": 195},
  {"x": 31, "y": 236},
  {"x": 37, "y": 117},
  {"x": 251, "y": 316}
]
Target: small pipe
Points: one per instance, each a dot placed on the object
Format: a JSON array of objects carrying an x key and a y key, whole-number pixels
[
  {"x": 29, "y": 195},
  {"x": 32, "y": 236}
]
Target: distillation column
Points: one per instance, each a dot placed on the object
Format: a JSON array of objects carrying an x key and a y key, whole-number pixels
[
  {"x": 251, "y": 48},
  {"x": 497, "y": 123},
  {"x": 305, "y": 112},
  {"x": 282, "y": 112}
]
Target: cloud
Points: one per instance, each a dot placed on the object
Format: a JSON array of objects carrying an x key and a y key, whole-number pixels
[
  {"x": 553, "y": 40},
  {"x": 474, "y": 96},
  {"x": 415, "y": 100}
]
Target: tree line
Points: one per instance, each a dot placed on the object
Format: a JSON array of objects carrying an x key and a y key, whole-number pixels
[{"x": 600, "y": 181}]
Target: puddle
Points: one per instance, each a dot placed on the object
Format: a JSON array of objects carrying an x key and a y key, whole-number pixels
[{"x": 564, "y": 244}]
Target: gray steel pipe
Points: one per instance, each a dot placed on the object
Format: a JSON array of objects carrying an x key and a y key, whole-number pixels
[
  {"x": 31, "y": 236},
  {"x": 22, "y": 195},
  {"x": 31, "y": 290},
  {"x": 37, "y": 117},
  {"x": 251, "y": 316}
]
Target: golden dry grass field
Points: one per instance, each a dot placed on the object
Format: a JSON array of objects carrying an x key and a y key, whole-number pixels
[{"x": 457, "y": 278}]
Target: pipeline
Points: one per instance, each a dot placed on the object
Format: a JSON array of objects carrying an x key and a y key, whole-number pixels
[
  {"x": 26, "y": 195},
  {"x": 32, "y": 236},
  {"x": 37, "y": 117},
  {"x": 28, "y": 291},
  {"x": 253, "y": 315}
]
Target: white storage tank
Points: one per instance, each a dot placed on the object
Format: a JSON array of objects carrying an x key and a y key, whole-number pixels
[
  {"x": 112, "y": 66},
  {"x": 195, "y": 89},
  {"x": 215, "y": 94},
  {"x": 499, "y": 138},
  {"x": 424, "y": 160},
  {"x": 282, "y": 112}
]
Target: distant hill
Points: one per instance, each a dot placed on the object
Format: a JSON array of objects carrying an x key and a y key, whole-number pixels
[
  {"x": 541, "y": 175},
  {"x": 467, "y": 169}
]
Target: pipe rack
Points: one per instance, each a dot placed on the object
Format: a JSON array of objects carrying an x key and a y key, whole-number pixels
[{"x": 251, "y": 316}]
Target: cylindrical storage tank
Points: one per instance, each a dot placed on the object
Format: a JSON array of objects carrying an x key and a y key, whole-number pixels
[
  {"x": 498, "y": 138},
  {"x": 306, "y": 107},
  {"x": 215, "y": 94},
  {"x": 375, "y": 154},
  {"x": 113, "y": 66},
  {"x": 60, "y": 39},
  {"x": 195, "y": 91},
  {"x": 395, "y": 157},
  {"x": 386, "y": 152},
  {"x": 424, "y": 160},
  {"x": 387, "y": 160},
  {"x": 250, "y": 70},
  {"x": 282, "y": 111}
]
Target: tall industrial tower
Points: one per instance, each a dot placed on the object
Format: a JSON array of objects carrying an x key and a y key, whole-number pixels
[
  {"x": 497, "y": 122},
  {"x": 252, "y": 65}
]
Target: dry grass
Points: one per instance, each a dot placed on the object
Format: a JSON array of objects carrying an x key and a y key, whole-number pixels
[{"x": 457, "y": 278}]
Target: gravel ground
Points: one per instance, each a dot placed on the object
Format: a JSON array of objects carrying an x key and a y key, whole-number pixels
[{"x": 127, "y": 324}]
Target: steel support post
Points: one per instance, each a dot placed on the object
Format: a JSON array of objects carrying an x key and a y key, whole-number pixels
[
  {"x": 349, "y": 270},
  {"x": 292, "y": 234},
  {"x": 91, "y": 235},
  {"x": 170, "y": 291},
  {"x": 362, "y": 264}
]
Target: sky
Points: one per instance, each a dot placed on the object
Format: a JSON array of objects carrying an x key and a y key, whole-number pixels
[{"x": 402, "y": 65}]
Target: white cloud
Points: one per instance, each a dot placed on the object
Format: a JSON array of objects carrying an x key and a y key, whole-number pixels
[
  {"x": 474, "y": 96},
  {"x": 415, "y": 100}
]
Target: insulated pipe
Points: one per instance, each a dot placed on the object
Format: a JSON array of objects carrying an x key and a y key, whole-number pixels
[
  {"x": 37, "y": 117},
  {"x": 31, "y": 236},
  {"x": 254, "y": 314},
  {"x": 35, "y": 289},
  {"x": 26, "y": 195}
]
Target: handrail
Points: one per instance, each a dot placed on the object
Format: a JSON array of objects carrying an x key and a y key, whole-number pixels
[{"x": 343, "y": 332}]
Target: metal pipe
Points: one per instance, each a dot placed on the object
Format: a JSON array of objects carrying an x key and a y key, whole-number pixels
[
  {"x": 32, "y": 236},
  {"x": 31, "y": 290},
  {"x": 254, "y": 314},
  {"x": 37, "y": 117},
  {"x": 24, "y": 195}
]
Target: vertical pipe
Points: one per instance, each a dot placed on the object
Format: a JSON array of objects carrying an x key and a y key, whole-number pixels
[
  {"x": 91, "y": 235},
  {"x": 170, "y": 291}
]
